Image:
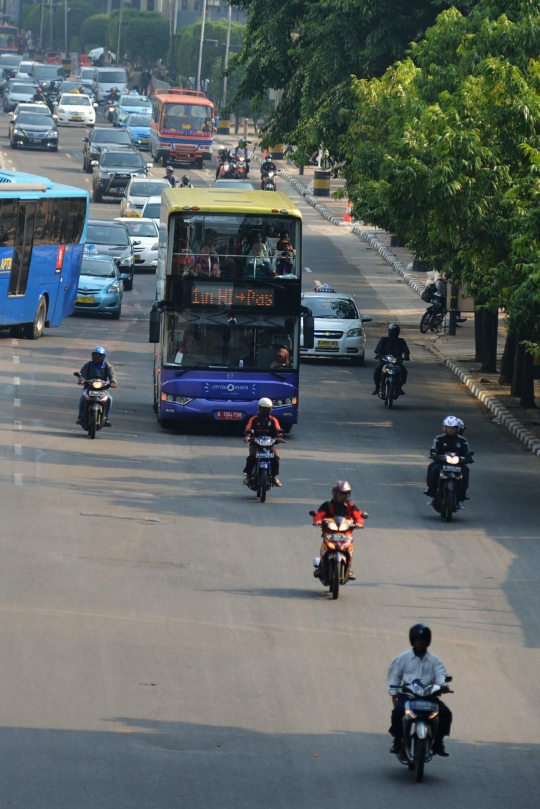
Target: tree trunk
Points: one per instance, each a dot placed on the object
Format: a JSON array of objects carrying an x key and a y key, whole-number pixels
[
  {"x": 507, "y": 362},
  {"x": 517, "y": 377},
  {"x": 478, "y": 313},
  {"x": 489, "y": 341},
  {"x": 527, "y": 384}
]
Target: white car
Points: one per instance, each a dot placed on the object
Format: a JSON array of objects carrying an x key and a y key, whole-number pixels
[
  {"x": 76, "y": 109},
  {"x": 339, "y": 326},
  {"x": 143, "y": 234},
  {"x": 24, "y": 71},
  {"x": 138, "y": 191},
  {"x": 152, "y": 209},
  {"x": 38, "y": 106}
]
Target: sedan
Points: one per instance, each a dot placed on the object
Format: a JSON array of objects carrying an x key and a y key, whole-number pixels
[
  {"x": 152, "y": 209},
  {"x": 143, "y": 234},
  {"x": 38, "y": 107},
  {"x": 100, "y": 287},
  {"x": 339, "y": 326},
  {"x": 138, "y": 129},
  {"x": 137, "y": 193},
  {"x": 111, "y": 239},
  {"x": 17, "y": 93},
  {"x": 75, "y": 109},
  {"x": 127, "y": 104},
  {"x": 114, "y": 170},
  {"x": 33, "y": 130}
]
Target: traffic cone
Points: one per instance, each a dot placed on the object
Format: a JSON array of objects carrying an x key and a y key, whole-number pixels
[{"x": 348, "y": 218}]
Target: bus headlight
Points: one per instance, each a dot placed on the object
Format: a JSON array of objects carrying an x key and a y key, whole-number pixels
[
  {"x": 181, "y": 400},
  {"x": 291, "y": 400}
]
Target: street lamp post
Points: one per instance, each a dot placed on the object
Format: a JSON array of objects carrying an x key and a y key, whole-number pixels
[
  {"x": 120, "y": 23},
  {"x": 201, "y": 44},
  {"x": 66, "y": 44},
  {"x": 227, "y": 46}
]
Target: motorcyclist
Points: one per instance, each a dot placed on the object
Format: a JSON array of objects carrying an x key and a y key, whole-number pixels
[
  {"x": 39, "y": 95},
  {"x": 418, "y": 664},
  {"x": 113, "y": 95},
  {"x": 396, "y": 346},
  {"x": 449, "y": 441},
  {"x": 169, "y": 175},
  {"x": 339, "y": 506},
  {"x": 185, "y": 182},
  {"x": 223, "y": 156},
  {"x": 97, "y": 368},
  {"x": 267, "y": 166},
  {"x": 264, "y": 424},
  {"x": 242, "y": 151}
]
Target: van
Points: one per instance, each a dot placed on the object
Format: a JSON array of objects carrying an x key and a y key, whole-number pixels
[
  {"x": 105, "y": 78},
  {"x": 47, "y": 73}
]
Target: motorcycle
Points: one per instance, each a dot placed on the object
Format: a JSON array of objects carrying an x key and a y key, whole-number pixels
[
  {"x": 420, "y": 724},
  {"x": 242, "y": 167},
  {"x": 450, "y": 483},
  {"x": 390, "y": 380},
  {"x": 334, "y": 564},
  {"x": 261, "y": 480},
  {"x": 268, "y": 181},
  {"x": 95, "y": 404},
  {"x": 109, "y": 111},
  {"x": 433, "y": 317}
]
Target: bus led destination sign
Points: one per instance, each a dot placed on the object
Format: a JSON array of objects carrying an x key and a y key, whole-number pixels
[{"x": 215, "y": 293}]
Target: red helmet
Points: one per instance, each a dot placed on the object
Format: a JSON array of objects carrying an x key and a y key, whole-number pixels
[{"x": 342, "y": 486}]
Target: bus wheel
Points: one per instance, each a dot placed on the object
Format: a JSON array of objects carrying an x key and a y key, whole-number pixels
[
  {"x": 287, "y": 428},
  {"x": 33, "y": 331},
  {"x": 199, "y": 163},
  {"x": 164, "y": 160}
]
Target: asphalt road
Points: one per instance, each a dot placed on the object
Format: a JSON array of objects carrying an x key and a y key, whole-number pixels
[{"x": 163, "y": 640}]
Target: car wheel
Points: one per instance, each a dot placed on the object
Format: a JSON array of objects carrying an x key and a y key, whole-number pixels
[
  {"x": 128, "y": 285},
  {"x": 12, "y": 144},
  {"x": 97, "y": 195},
  {"x": 359, "y": 360},
  {"x": 116, "y": 315},
  {"x": 54, "y": 149},
  {"x": 199, "y": 163}
]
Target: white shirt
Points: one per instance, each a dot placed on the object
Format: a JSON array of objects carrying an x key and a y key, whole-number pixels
[{"x": 408, "y": 667}]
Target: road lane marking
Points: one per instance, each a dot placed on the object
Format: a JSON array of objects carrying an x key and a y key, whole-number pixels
[
  {"x": 16, "y": 380},
  {"x": 17, "y": 425},
  {"x": 15, "y": 359},
  {"x": 68, "y": 155},
  {"x": 17, "y": 479},
  {"x": 117, "y": 516},
  {"x": 14, "y": 341},
  {"x": 18, "y": 449},
  {"x": 16, "y": 402}
]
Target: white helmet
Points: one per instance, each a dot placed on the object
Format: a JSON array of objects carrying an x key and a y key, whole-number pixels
[
  {"x": 265, "y": 403},
  {"x": 452, "y": 421}
]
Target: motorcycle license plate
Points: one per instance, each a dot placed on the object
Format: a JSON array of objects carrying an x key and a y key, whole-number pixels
[
  {"x": 229, "y": 415},
  {"x": 84, "y": 299},
  {"x": 265, "y": 456},
  {"x": 451, "y": 469},
  {"x": 328, "y": 343}
]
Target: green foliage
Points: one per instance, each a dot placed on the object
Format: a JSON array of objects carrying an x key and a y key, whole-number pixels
[
  {"x": 94, "y": 31},
  {"x": 188, "y": 50},
  {"x": 444, "y": 149},
  {"x": 80, "y": 11},
  {"x": 145, "y": 36}
]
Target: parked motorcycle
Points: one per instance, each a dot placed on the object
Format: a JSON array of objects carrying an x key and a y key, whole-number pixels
[
  {"x": 420, "y": 724},
  {"x": 337, "y": 549},
  {"x": 95, "y": 404},
  {"x": 450, "y": 483},
  {"x": 433, "y": 317},
  {"x": 269, "y": 182},
  {"x": 261, "y": 480},
  {"x": 390, "y": 380}
]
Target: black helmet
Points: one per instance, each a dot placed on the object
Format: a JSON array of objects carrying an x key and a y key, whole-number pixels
[
  {"x": 393, "y": 330},
  {"x": 185, "y": 179},
  {"x": 420, "y": 632}
]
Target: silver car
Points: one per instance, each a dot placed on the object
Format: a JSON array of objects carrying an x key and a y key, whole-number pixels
[
  {"x": 143, "y": 235},
  {"x": 339, "y": 326},
  {"x": 137, "y": 193},
  {"x": 18, "y": 93}
]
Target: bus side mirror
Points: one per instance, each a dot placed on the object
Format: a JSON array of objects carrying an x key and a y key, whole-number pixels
[
  {"x": 155, "y": 325},
  {"x": 309, "y": 332}
]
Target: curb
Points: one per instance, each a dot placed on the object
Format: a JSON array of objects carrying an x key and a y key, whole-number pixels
[{"x": 491, "y": 402}]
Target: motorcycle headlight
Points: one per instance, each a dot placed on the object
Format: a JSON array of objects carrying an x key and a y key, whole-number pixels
[
  {"x": 355, "y": 332},
  {"x": 410, "y": 713},
  {"x": 452, "y": 459},
  {"x": 433, "y": 715}
]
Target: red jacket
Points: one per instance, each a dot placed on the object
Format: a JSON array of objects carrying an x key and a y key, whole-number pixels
[
  {"x": 332, "y": 509},
  {"x": 264, "y": 425}
]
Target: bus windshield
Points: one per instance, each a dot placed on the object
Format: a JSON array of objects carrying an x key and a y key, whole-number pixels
[
  {"x": 236, "y": 246},
  {"x": 186, "y": 119},
  {"x": 224, "y": 343}
]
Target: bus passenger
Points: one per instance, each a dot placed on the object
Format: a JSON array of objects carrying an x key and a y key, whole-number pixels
[
  {"x": 207, "y": 263},
  {"x": 282, "y": 358}
]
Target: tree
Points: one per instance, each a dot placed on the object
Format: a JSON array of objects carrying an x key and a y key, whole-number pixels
[
  {"x": 94, "y": 31},
  {"x": 188, "y": 51},
  {"x": 80, "y": 10},
  {"x": 145, "y": 36}
]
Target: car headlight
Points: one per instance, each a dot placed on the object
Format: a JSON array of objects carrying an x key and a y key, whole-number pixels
[
  {"x": 52, "y": 134},
  {"x": 127, "y": 262},
  {"x": 155, "y": 246},
  {"x": 292, "y": 400},
  {"x": 114, "y": 287},
  {"x": 355, "y": 332},
  {"x": 18, "y": 132},
  {"x": 61, "y": 109}
]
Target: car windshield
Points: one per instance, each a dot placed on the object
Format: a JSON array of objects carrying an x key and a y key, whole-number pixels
[
  {"x": 213, "y": 342},
  {"x": 48, "y": 72},
  {"x": 134, "y": 101},
  {"x": 147, "y": 189},
  {"x": 75, "y": 100},
  {"x": 31, "y": 119},
  {"x": 336, "y": 308},
  {"x": 8, "y": 59},
  {"x": 87, "y": 74},
  {"x": 186, "y": 119},
  {"x": 111, "y": 136},
  {"x": 152, "y": 209},
  {"x": 107, "y": 234},
  {"x": 34, "y": 109},
  {"x": 23, "y": 89},
  {"x": 139, "y": 120},
  {"x": 68, "y": 86},
  {"x": 111, "y": 76},
  {"x": 141, "y": 229},
  {"x": 25, "y": 67},
  {"x": 93, "y": 266},
  {"x": 131, "y": 161}
]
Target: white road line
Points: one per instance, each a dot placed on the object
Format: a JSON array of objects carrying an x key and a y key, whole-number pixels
[
  {"x": 15, "y": 359},
  {"x": 14, "y": 341},
  {"x": 18, "y": 449},
  {"x": 17, "y": 425},
  {"x": 307, "y": 269},
  {"x": 17, "y": 479},
  {"x": 16, "y": 402},
  {"x": 16, "y": 380}
]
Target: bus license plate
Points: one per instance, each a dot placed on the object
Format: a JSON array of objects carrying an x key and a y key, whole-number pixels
[
  {"x": 328, "y": 344},
  {"x": 229, "y": 415},
  {"x": 84, "y": 299}
]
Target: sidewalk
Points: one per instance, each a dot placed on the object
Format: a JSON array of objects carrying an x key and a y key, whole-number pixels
[{"x": 456, "y": 352}]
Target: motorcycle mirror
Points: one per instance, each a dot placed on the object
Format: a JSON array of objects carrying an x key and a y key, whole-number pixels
[
  {"x": 95, "y": 105},
  {"x": 366, "y": 318},
  {"x": 311, "y": 513},
  {"x": 365, "y": 515},
  {"x": 75, "y": 373},
  {"x": 448, "y": 679}
]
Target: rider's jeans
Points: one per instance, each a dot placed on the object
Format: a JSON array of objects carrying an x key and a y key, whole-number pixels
[{"x": 81, "y": 406}]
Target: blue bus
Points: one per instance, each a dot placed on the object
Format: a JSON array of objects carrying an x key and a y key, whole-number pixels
[
  {"x": 42, "y": 236},
  {"x": 227, "y": 319}
]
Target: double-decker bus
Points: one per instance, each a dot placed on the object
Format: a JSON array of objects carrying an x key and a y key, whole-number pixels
[
  {"x": 42, "y": 236},
  {"x": 182, "y": 127},
  {"x": 9, "y": 38},
  {"x": 226, "y": 321}
]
